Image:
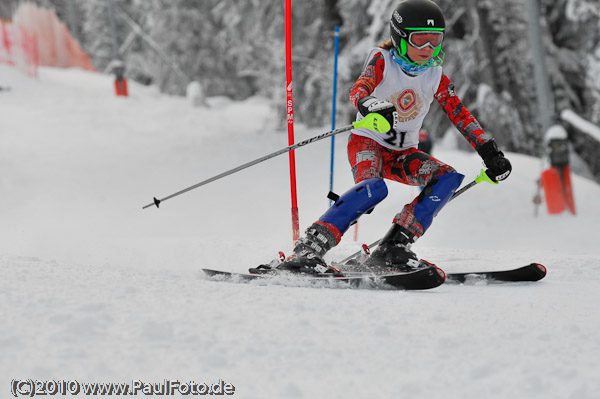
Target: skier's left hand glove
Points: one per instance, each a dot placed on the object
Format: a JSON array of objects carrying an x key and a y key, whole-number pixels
[{"x": 499, "y": 167}]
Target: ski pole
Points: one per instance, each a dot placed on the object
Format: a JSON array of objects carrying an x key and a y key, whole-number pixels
[
  {"x": 372, "y": 121},
  {"x": 483, "y": 176}
]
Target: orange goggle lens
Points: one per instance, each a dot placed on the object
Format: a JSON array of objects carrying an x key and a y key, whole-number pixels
[{"x": 421, "y": 40}]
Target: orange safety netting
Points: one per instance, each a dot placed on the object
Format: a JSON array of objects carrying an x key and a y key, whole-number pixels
[
  {"x": 55, "y": 45},
  {"x": 18, "y": 48}
]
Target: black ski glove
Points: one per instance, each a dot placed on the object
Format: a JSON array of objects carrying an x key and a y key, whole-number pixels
[
  {"x": 499, "y": 167},
  {"x": 369, "y": 104}
]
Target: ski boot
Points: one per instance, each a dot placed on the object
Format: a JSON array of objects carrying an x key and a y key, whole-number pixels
[
  {"x": 309, "y": 252},
  {"x": 308, "y": 255},
  {"x": 393, "y": 254}
]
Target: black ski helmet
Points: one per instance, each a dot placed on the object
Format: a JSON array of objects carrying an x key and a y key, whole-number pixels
[{"x": 415, "y": 15}]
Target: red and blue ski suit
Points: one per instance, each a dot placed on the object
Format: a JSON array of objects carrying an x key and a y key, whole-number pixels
[{"x": 394, "y": 156}]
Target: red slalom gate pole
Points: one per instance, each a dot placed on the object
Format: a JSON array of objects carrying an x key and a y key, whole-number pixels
[{"x": 290, "y": 117}]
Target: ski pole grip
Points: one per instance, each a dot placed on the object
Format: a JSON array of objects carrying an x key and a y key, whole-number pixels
[
  {"x": 485, "y": 176},
  {"x": 375, "y": 122}
]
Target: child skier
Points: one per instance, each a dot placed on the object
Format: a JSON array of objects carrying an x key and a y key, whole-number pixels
[{"x": 399, "y": 81}]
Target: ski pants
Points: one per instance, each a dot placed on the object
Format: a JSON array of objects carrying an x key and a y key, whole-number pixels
[{"x": 371, "y": 163}]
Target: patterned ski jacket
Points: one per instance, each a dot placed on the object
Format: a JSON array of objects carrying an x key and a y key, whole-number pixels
[{"x": 412, "y": 96}]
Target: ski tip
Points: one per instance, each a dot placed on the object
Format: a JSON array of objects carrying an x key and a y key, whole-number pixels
[
  {"x": 441, "y": 273},
  {"x": 439, "y": 270},
  {"x": 541, "y": 268},
  {"x": 211, "y": 272}
]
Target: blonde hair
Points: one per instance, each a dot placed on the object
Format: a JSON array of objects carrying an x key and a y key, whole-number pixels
[{"x": 387, "y": 45}]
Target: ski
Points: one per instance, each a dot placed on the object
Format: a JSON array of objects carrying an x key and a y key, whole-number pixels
[
  {"x": 419, "y": 279},
  {"x": 531, "y": 272}
]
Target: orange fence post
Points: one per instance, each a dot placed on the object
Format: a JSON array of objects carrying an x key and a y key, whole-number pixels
[
  {"x": 121, "y": 87},
  {"x": 555, "y": 201}
]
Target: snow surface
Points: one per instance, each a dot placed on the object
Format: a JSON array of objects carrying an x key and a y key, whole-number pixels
[{"x": 94, "y": 288}]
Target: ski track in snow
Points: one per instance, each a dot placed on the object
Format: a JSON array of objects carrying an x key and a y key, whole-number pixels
[{"x": 94, "y": 288}]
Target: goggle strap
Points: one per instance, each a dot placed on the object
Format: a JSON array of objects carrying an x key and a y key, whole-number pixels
[{"x": 426, "y": 29}]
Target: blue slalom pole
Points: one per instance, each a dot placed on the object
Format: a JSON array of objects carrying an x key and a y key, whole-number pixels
[{"x": 335, "y": 68}]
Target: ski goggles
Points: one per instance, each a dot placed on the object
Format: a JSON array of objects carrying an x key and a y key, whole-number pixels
[{"x": 422, "y": 39}]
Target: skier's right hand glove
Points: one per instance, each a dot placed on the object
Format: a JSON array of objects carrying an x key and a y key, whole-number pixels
[
  {"x": 369, "y": 104},
  {"x": 499, "y": 167}
]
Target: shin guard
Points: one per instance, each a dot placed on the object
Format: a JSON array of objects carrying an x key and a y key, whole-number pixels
[
  {"x": 434, "y": 196},
  {"x": 355, "y": 202}
]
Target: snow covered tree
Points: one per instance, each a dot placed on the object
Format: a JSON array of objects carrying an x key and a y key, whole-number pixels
[
  {"x": 237, "y": 48},
  {"x": 7, "y": 8},
  {"x": 97, "y": 32}
]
